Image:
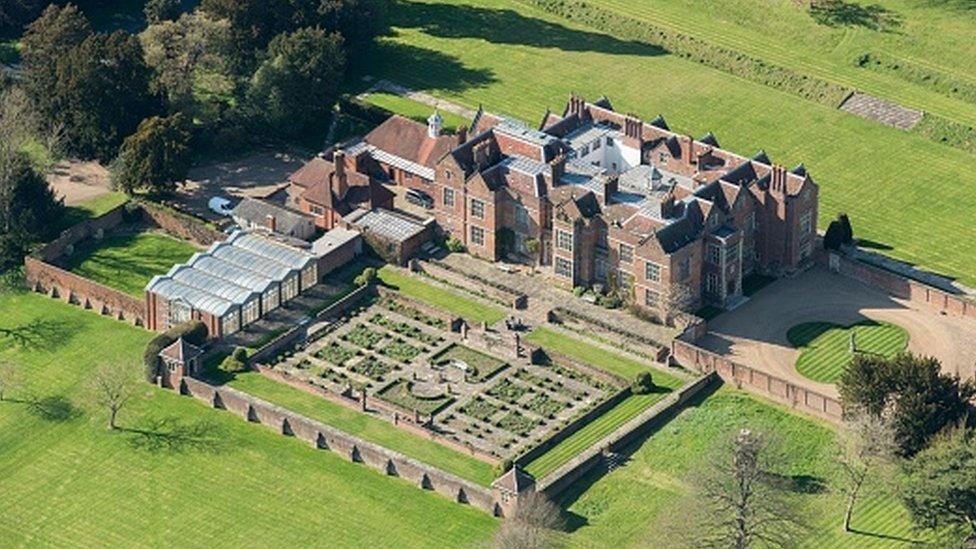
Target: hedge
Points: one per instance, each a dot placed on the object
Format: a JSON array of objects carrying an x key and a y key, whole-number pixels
[{"x": 193, "y": 331}]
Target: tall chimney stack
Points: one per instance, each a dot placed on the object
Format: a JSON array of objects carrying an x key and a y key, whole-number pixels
[
  {"x": 339, "y": 176},
  {"x": 270, "y": 222},
  {"x": 462, "y": 134}
]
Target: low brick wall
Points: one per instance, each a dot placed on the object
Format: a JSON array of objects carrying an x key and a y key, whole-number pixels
[
  {"x": 554, "y": 483},
  {"x": 181, "y": 225},
  {"x": 900, "y": 286},
  {"x": 573, "y": 427},
  {"x": 56, "y": 282},
  {"x": 630, "y": 341},
  {"x": 452, "y": 322},
  {"x": 494, "y": 291},
  {"x": 86, "y": 229},
  {"x": 755, "y": 381},
  {"x": 325, "y": 437},
  {"x": 536, "y": 353}
]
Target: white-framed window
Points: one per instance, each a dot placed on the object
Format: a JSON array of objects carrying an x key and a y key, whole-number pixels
[
  {"x": 564, "y": 267},
  {"x": 652, "y": 271},
  {"x": 178, "y": 312},
  {"x": 626, "y": 253},
  {"x": 662, "y": 158},
  {"x": 521, "y": 216},
  {"x": 609, "y": 141},
  {"x": 477, "y": 208},
  {"x": 714, "y": 254},
  {"x": 309, "y": 276},
  {"x": 585, "y": 150},
  {"x": 289, "y": 288},
  {"x": 448, "y": 175},
  {"x": 251, "y": 311},
  {"x": 317, "y": 210},
  {"x": 477, "y": 236},
  {"x": 269, "y": 300},
  {"x": 596, "y": 145},
  {"x": 651, "y": 298},
  {"x": 564, "y": 240},
  {"x": 711, "y": 283},
  {"x": 806, "y": 222},
  {"x": 448, "y": 196}
]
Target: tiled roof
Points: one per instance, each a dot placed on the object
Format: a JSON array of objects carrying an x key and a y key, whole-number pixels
[
  {"x": 181, "y": 351},
  {"x": 407, "y": 139},
  {"x": 257, "y": 212}
]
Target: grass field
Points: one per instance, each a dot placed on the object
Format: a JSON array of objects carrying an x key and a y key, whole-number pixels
[
  {"x": 414, "y": 287},
  {"x": 179, "y": 474},
  {"x": 597, "y": 356},
  {"x": 415, "y": 110},
  {"x": 517, "y": 60},
  {"x": 639, "y": 503},
  {"x": 365, "y": 427},
  {"x": 825, "y": 348},
  {"x": 128, "y": 262},
  {"x": 91, "y": 209},
  {"x": 593, "y": 432}
]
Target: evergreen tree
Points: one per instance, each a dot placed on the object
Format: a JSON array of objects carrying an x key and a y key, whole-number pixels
[
  {"x": 156, "y": 157},
  {"x": 29, "y": 211},
  {"x": 57, "y": 31}
]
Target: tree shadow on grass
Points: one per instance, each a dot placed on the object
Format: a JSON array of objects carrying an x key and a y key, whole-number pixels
[
  {"x": 172, "y": 435},
  {"x": 417, "y": 67},
  {"x": 41, "y": 333},
  {"x": 506, "y": 26},
  {"x": 839, "y": 13},
  {"x": 54, "y": 408},
  {"x": 567, "y": 498},
  {"x": 886, "y": 536}
]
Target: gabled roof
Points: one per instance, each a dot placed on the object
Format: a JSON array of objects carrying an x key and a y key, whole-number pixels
[
  {"x": 258, "y": 211},
  {"x": 709, "y": 139},
  {"x": 409, "y": 140},
  {"x": 181, "y": 351},
  {"x": 515, "y": 481},
  {"x": 659, "y": 122},
  {"x": 762, "y": 157}
]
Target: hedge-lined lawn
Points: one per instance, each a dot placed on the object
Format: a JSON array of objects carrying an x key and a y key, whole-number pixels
[
  {"x": 593, "y": 432},
  {"x": 365, "y": 427},
  {"x": 597, "y": 356},
  {"x": 640, "y": 503},
  {"x": 416, "y": 288},
  {"x": 415, "y": 110},
  {"x": 128, "y": 262},
  {"x": 515, "y": 59},
  {"x": 825, "y": 348},
  {"x": 67, "y": 481}
]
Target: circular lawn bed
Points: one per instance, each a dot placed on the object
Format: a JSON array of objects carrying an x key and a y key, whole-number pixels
[{"x": 825, "y": 348}]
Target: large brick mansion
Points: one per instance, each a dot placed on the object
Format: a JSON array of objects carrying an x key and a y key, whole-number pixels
[{"x": 596, "y": 196}]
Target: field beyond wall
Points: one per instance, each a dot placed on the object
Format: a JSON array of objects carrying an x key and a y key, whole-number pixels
[{"x": 907, "y": 196}]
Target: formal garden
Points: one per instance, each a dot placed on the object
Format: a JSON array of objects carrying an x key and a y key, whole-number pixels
[{"x": 407, "y": 363}]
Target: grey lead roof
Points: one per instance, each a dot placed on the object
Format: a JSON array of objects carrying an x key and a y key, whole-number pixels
[
  {"x": 257, "y": 212},
  {"x": 515, "y": 128},
  {"x": 385, "y": 223}
]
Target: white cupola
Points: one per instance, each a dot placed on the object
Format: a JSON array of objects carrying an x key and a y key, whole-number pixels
[{"x": 434, "y": 124}]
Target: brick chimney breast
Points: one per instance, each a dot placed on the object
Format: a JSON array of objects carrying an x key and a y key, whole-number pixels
[
  {"x": 270, "y": 222},
  {"x": 339, "y": 182}
]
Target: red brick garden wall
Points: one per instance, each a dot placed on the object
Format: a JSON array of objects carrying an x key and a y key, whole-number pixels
[{"x": 46, "y": 278}]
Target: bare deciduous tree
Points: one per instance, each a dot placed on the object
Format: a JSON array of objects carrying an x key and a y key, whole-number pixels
[
  {"x": 678, "y": 300},
  {"x": 11, "y": 378},
  {"x": 746, "y": 506},
  {"x": 868, "y": 446},
  {"x": 536, "y": 519},
  {"x": 112, "y": 387}
]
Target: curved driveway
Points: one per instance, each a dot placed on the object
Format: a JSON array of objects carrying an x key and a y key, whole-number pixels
[{"x": 755, "y": 333}]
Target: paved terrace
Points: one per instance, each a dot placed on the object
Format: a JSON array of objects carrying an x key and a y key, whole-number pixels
[{"x": 543, "y": 296}]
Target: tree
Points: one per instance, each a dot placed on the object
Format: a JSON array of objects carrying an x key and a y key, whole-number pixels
[
  {"x": 102, "y": 93},
  {"x": 29, "y": 211},
  {"x": 642, "y": 384},
  {"x": 534, "y": 247},
  {"x": 113, "y": 386},
  {"x": 14, "y": 14},
  {"x": 535, "y": 520},
  {"x": 921, "y": 399},
  {"x": 834, "y": 237},
  {"x": 156, "y": 157},
  {"x": 162, "y": 10},
  {"x": 676, "y": 301},
  {"x": 11, "y": 378},
  {"x": 846, "y": 230},
  {"x": 252, "y": 25},
  {"x": 867, "y": 448},
  {"x": 58, "y": 30},
  {"x": 940, "y": 487},
  {"x": 235, "y": 362},
  {"x": 295, "y": 87},
  {"x": 181, "y": 52},
  {"x": 366, "y": 277},
  {"x": 745, "y": 507}
]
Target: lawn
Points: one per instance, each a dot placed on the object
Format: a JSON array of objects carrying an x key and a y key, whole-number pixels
[
  {"x": 67, "y": 481},
  {"x": 366, "y": 427},
  {"x": 415, "y": 110},
  {"x": 635, "y": 505},
  {"x": 598, "y": 357},
  {"x": 91, "y": 209},
  {"x": 825, "y": 348},
  {"x": 416, "y": 288},
  {"x": 128, "y": 262},
  {"x": 593, "y": 432},
  {"x": 515, "y": 59}
]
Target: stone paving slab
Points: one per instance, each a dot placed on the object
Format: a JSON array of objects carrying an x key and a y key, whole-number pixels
[{"x": 879, "y": 110}]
